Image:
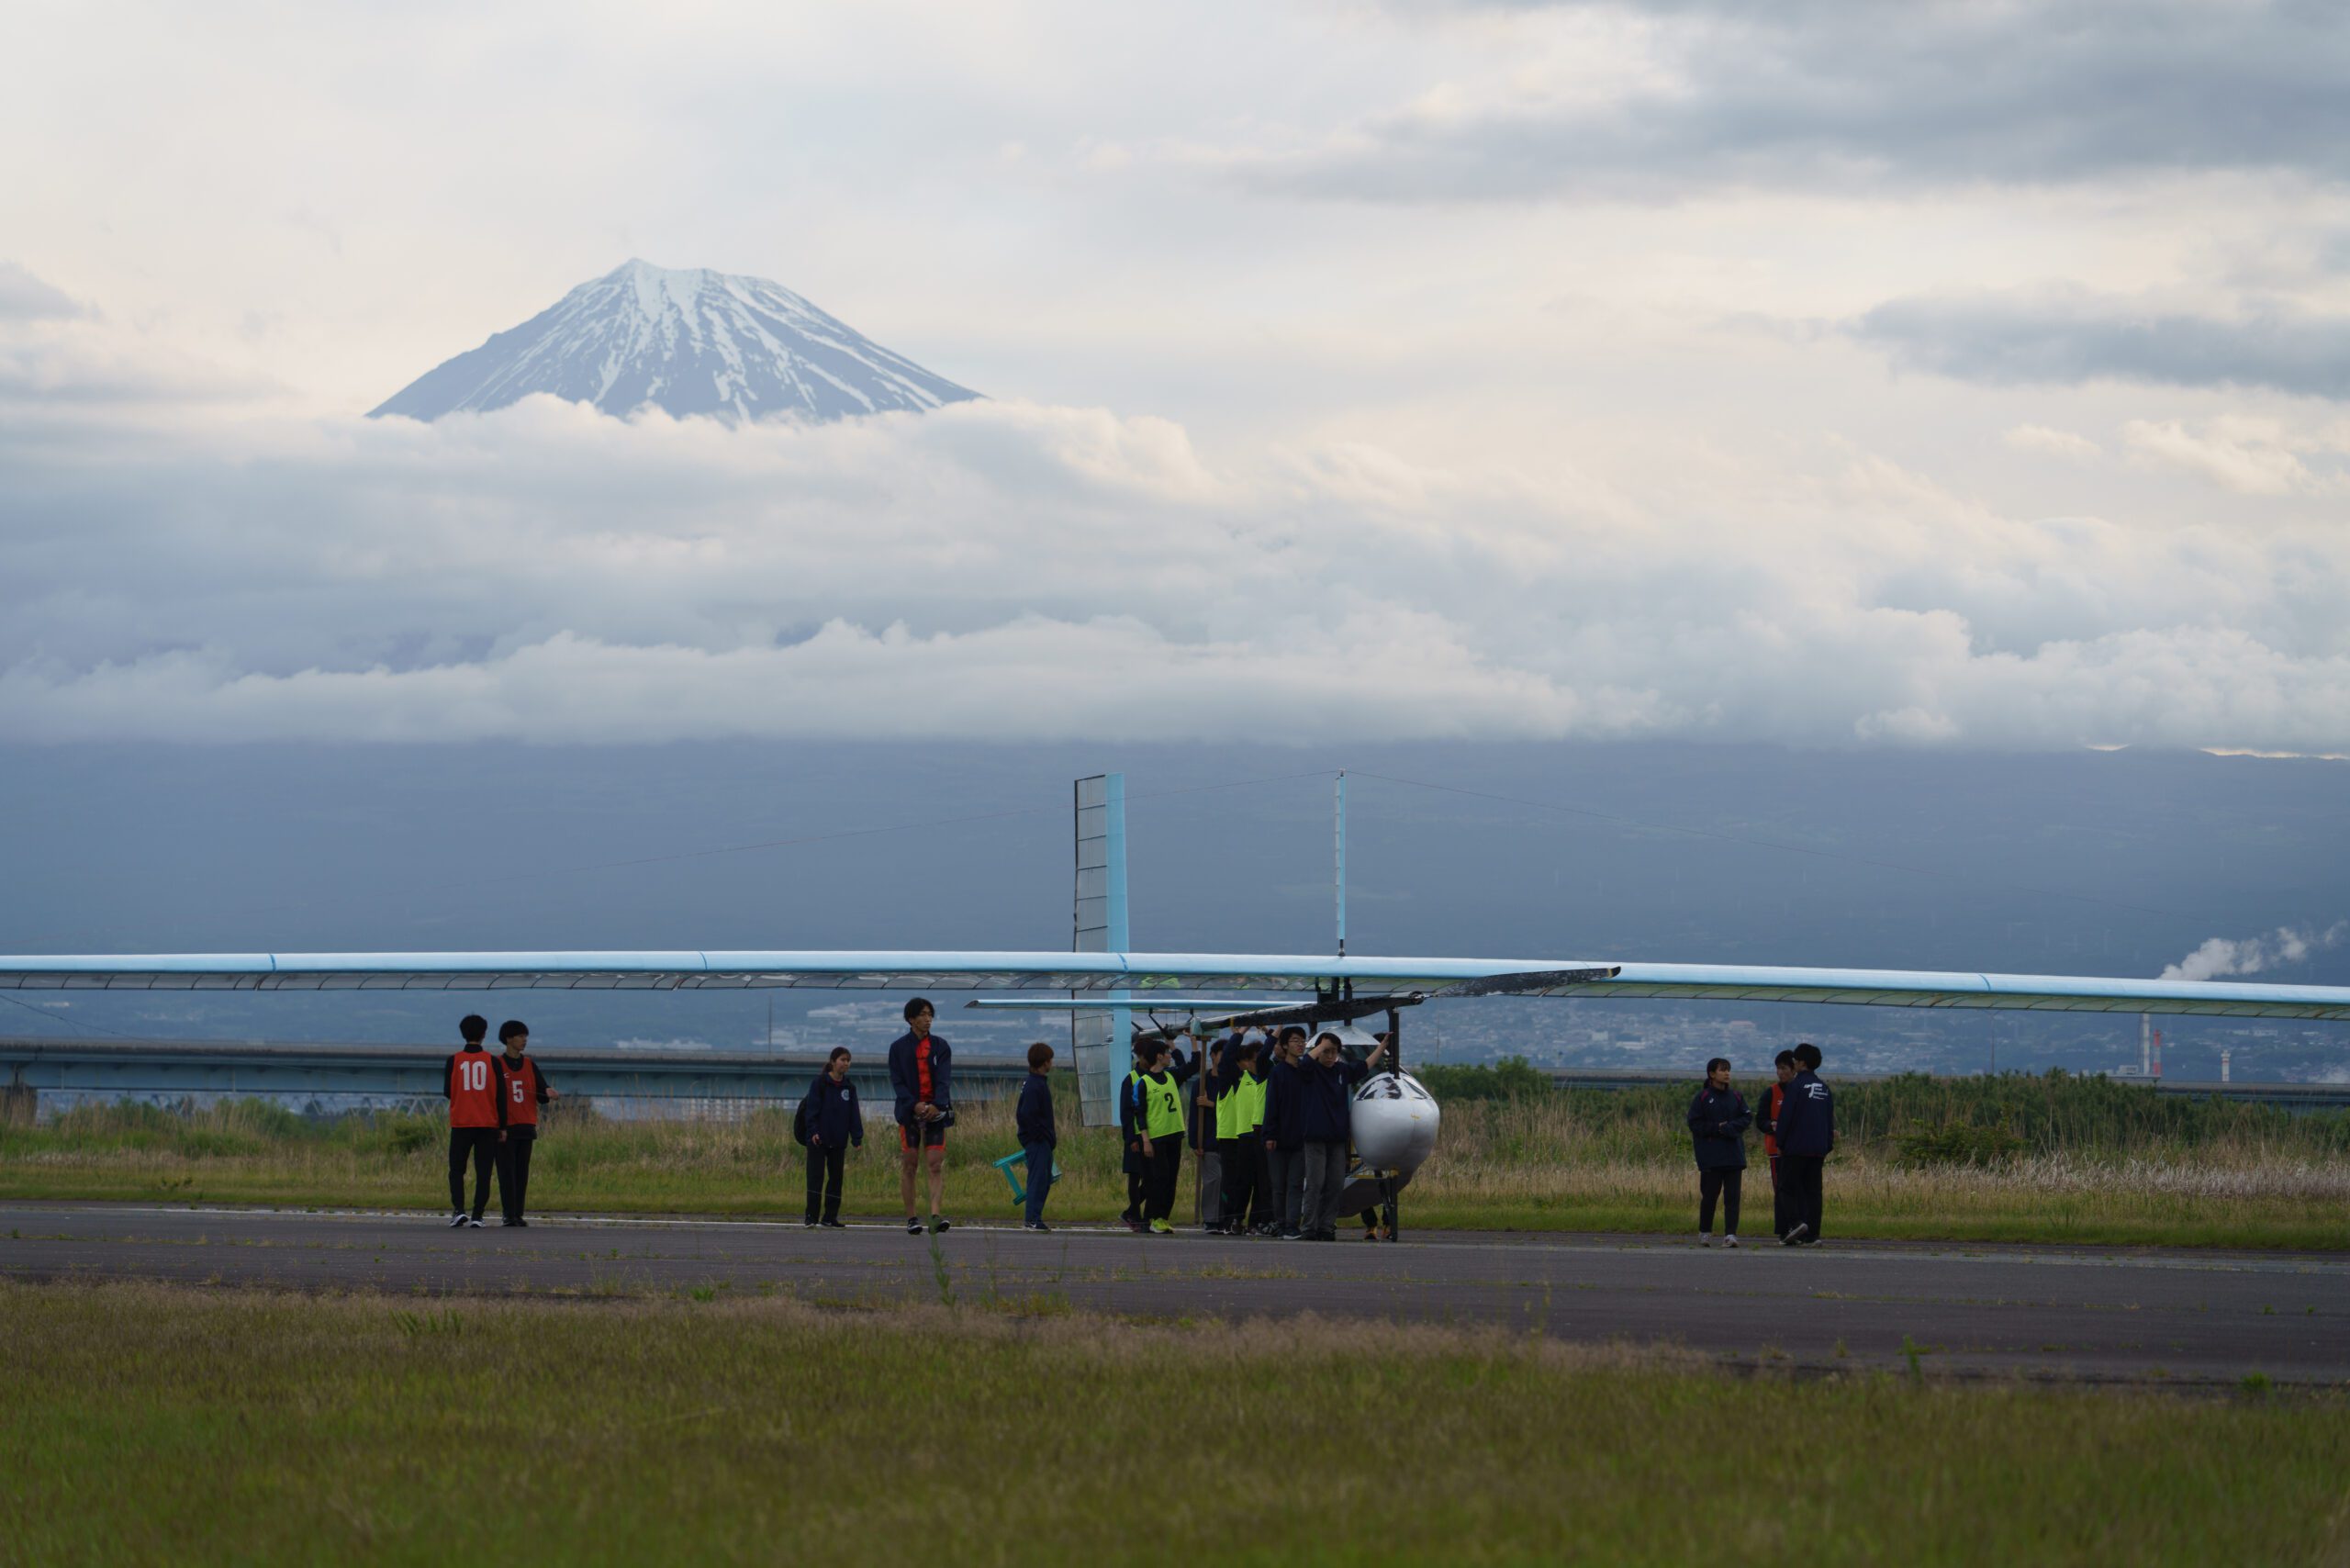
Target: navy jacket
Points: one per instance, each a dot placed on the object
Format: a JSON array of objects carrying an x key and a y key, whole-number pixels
[
  {"x": 1033, "y": 1119},
  {"x": 905, "y": 1080},
  {"x": 1326, "y": 1109},
  {"x": 833, "y": 1112},
  {"x": 1808, "y": 1117},
  {"x": 1129, "y": 1126},
  {"x": 1284, "y": 1107},
  {"x": 1717, "y": 1121}
]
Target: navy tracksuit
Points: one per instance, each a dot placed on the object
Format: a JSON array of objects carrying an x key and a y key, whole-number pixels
[
  {"x": 1284, "y": 1129},
  {"x": 1032, "y": 1121},
  {"x": 1717, "y": 1121},
  {"x": 1807, "y": 1137},
  {"x": 835, "y": 1121}
]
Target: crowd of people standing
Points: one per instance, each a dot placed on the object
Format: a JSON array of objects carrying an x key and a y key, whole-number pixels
[
  {"x": 1798, "y": 1121},
  {"x": 1275, "y": 1113},
  {"x": 1272, "y": 1109}
]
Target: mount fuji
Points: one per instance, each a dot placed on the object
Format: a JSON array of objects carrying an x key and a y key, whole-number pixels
[{"x": 685, "y": 341}]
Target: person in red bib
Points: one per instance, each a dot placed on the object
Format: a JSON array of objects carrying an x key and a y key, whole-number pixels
[
  {"x": 522, "y": 1090},
  {"x": 469, "y": 1082}
]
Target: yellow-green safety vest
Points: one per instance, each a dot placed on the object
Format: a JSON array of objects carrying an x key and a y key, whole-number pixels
[
  {"x": 1232, "y": 1111},
  {"x": 1161, "y": 1098},
  {"x": 1254, "y": 1087}
]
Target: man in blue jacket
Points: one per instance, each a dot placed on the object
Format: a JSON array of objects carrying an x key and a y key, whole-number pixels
[
  {"x": 1032, "y": 1122},
  {"x": 1807, "y": 1137},
  {"x": 833, "y": 1121},
  {"x": 1717, "y": 1121},
  {"x": 1283, "y": 1133},
  {"x": 1326, "y": 1122},
  {"x": 921, "y": 1077}
]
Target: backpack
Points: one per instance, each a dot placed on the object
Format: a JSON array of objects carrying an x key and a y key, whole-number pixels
[{"x": 800, "y": 1125}]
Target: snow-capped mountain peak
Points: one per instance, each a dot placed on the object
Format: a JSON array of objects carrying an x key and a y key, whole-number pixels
[{"x": 687, "y": 340}]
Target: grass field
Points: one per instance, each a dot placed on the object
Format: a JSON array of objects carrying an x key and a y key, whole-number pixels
[
  {"x": 148, "y": 1424},
  {"x": 2016, "y": 1158}
]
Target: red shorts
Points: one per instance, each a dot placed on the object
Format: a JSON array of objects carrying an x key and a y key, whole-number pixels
[{"x": 933, "y": 1137}]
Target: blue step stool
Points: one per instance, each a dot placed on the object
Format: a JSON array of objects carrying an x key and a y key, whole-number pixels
[{"x": 1012, "y": 1180}]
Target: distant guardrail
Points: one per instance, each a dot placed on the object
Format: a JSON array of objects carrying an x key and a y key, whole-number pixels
[
  {"x": 2303, "y": 1096},
  {"x": 30, "y": 1065},
  {"x": 114, "y": 1068}
]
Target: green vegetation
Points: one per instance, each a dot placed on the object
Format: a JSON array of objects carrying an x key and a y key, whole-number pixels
[
  {"x": 2013, "y": 1158},
  {"x": 2056, "y": 1113},
  {"x": 146, "y": 1424}
]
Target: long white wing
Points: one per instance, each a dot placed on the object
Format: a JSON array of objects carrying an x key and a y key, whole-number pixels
[{"x": 1140, "y": 974}]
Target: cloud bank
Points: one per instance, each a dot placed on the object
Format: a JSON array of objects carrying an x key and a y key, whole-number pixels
[
  {"x": 24, "y": 298},
  {"x": 1658, "y": 99},
  {"x": 179, "y": 562},
  {"x": 2070, "y": 336}
]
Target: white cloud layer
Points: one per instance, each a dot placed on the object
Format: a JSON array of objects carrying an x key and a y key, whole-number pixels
[
  {"x": 175, "y": 563},
  {"x": 2250, "y": 456},
  {"x": 1524, "y": 369}
]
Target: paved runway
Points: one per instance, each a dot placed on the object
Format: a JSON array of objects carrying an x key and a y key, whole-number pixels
[{"x": 2099, "y": 1314}]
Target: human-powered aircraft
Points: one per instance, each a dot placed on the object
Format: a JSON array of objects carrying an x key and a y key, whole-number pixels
[{"x": 1103, "y": 985}]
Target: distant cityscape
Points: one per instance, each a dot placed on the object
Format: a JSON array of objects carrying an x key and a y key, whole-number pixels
[
  {"x": 1645, "y": 1036},
  {"x": 1662, "y": 1038}
]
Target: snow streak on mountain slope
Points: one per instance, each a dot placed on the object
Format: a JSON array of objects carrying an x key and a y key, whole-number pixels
[{"x": 690, "y": 341}]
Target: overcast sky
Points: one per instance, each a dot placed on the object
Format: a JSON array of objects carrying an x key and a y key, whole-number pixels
[{"x": 1817, "y": 371}]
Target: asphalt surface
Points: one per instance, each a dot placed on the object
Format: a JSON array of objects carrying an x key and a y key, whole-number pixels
[{"x": 2104, "y": 1314}]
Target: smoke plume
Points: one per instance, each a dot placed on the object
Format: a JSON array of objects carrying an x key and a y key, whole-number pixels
[{"x": 2220, "y": 957}]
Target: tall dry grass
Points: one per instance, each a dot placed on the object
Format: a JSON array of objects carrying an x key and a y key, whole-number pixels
[{"x": 2054, "y": 1159}]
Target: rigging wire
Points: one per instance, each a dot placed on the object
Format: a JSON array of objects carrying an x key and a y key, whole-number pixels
[
  {"x": 47, "y": 1016},
  {"x": 506, "y": 878},
  {"x": 904, "y": 827},
  {"x": 1762, "y": 843},
  {"x": 1592, "y": 813}
]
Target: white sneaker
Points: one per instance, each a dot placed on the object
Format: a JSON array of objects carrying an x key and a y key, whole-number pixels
[
  {"x": 1729, "y": 1241},
  {"x": 457, "y": 1220},
  {"x": 1705, "y": 1238},
  {"x": 472, "y": 1224},
  {"x": 1795, "y": 1235}
]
